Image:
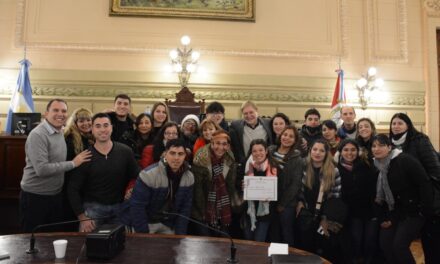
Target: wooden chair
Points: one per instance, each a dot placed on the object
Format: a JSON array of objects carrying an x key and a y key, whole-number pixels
[{"x": 184, "y": 105}]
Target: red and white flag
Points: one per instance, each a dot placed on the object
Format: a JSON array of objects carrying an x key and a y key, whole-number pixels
[{"x": 338, "y": 97}]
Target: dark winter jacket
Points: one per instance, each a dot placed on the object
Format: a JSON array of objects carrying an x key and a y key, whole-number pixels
[
  {"x": 289, "y": 178},
  {"x": 359, "y": 188},
  {"x": 410, "y": 186},
  {"x": 150, "y": 196}
]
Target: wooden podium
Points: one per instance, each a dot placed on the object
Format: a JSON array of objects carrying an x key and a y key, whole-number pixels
[{"x": 12, "y": 162}]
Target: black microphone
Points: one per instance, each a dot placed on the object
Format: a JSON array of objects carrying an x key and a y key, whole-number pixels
[
  {"x": 32, "y": 249},
  {"x": 232, "y": 259}
]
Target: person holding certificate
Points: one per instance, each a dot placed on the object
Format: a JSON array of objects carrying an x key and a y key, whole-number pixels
[
  {"x": 259, "y": 163},
  {"x": 289, "y": 182}
]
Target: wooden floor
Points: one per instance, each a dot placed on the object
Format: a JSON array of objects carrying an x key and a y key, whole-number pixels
[{"x": 417, "y": 251}]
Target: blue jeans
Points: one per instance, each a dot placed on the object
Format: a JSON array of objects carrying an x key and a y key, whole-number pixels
[
  {"x": 97, "y": 210},
  {"x": 287, "y": 220},
  {"x": 364, "y": 237},
  {"x": 260, "y": 232}
]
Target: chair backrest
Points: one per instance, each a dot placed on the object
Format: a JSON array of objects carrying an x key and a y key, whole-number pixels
[{"x": 184, "y": 105}]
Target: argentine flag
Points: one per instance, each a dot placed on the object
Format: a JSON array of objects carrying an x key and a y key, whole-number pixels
[
  {"x": 338, "y": 97},
  {"x": 21, "y": 101}
]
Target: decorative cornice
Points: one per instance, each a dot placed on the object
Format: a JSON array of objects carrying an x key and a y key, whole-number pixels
[
  {"x": 19, "y": 23},
  {"x": 266, "y": 95},
  {"x": 342, "y": 53},
  {"x": 408, "y": 100},
  {"x": 402, "y": 25},
  {"x": 432, "y": 7}
]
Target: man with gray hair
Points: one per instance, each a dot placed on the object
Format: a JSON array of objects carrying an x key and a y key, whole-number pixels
[{"x": 243, "y": 131}]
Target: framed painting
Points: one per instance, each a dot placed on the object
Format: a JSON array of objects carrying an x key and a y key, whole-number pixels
[{"x": 234, "y": 10}]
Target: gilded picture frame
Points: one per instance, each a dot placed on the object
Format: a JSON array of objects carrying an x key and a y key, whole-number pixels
[{"x": 234, "y": 10}]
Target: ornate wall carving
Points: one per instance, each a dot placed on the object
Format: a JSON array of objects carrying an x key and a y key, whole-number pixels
[
  {"x": 432, "y": 7},
  {"x": 373, "y": 34},
  {"x": 310, "y": 96},
  {"x": 20, "y": 36}
]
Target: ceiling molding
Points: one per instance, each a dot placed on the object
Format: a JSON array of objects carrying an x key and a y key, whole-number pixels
[{"x": 20, "y": 36}]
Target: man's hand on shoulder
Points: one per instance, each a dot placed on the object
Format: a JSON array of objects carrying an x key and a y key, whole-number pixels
[{"x": 82, "y": 157}]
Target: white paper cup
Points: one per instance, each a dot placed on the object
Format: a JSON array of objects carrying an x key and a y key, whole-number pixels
[{"x": 60, "y": 248}]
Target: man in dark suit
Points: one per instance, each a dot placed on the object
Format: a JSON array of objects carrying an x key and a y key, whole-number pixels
[{"x": 243, "y": 131}]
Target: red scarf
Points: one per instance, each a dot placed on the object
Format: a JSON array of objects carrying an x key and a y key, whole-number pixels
[{"x": 218, "y": 208}]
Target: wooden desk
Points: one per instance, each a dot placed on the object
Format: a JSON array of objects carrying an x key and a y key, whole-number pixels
[
  {"x": 140, "y": 248},
  {"x": 12, "y": 162}
]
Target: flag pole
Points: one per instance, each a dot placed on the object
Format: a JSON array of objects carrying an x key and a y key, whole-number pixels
[{"x": 339, "y": 63}]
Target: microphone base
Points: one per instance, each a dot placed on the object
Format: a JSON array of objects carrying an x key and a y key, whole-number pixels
[
  {"x": 232, "y": 260},
  {"x": 32, "y": 251}
]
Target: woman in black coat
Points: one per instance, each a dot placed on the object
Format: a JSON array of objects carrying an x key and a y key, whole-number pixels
[
  {"x": 404, "y": 193},
  {"x": 358, "y": 180},
  {"x": 405, "y": 137}
]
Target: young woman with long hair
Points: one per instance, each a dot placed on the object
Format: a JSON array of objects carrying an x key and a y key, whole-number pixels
[
  {"x": 358, "y": 181},
  {"x": 78, "y": 132},
  {"x": 160, "y": 115},
  {"x": 405, "y": 136},
  {"x": 141, "y": 136},
  {"x": 289, "y": 182},
  {"x": 320, "y": 174},
  {"x": 78, "y": 136}
]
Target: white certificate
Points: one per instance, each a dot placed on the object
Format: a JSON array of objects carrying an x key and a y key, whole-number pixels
[{"x": 260, "y": 188}]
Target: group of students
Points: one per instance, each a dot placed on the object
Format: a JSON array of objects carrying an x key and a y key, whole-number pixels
[{"x": 341, "y": 191}]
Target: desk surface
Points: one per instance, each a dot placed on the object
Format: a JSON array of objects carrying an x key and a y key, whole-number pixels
[{"x": 140, "y": 248}]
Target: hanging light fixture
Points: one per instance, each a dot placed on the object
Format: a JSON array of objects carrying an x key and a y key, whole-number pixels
[
  {"x": 184, "y": 61},
  {"x": 367, "y": 85}
]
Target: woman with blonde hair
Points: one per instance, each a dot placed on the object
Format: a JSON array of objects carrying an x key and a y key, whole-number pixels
[
  {"x": 78, "y": 136},
  {"x": 318, "y": 160},
  {"x": 78, "y": 132},
  {"x": 321, "y": 187}
]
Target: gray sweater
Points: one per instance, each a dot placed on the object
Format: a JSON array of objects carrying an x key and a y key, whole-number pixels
[{"x": 45, "y": 161}]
